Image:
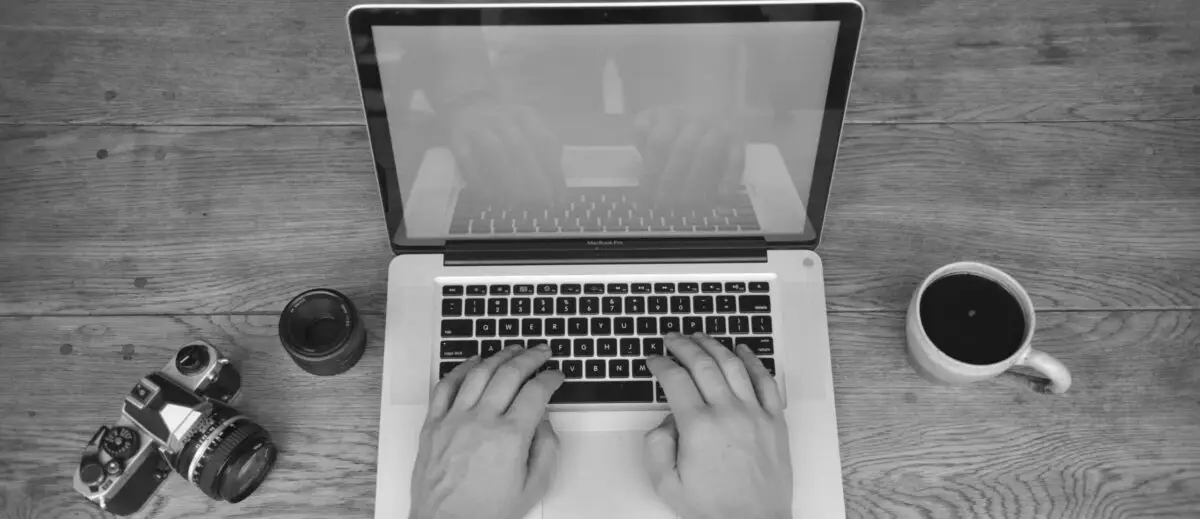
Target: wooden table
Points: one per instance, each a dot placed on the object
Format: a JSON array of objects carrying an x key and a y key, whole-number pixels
[{"x": 176, "y": 170}]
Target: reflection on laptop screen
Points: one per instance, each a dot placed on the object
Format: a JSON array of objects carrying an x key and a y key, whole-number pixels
[{"x": 592, "y": 130}]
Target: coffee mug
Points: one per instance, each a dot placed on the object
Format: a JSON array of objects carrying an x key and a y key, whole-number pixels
[{"x": 969, "y": 322}]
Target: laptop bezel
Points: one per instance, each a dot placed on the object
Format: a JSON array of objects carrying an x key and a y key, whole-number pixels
[{"x": 362, "y": 18}]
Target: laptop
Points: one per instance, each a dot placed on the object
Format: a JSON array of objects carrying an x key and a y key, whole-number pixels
[{"x": 593, "y": 176}]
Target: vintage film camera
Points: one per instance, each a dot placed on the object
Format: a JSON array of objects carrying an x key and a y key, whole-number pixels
[{"x": 177, "y": 419}]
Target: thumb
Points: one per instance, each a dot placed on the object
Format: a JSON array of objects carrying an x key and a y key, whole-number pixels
[
  {"x": 661, "y": 444},
  {"x": 543, "y": 460}
]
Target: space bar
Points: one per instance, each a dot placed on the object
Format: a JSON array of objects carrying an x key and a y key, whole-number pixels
[{"x": 603, "y": 392}]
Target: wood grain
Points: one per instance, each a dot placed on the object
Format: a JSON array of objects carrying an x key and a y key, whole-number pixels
[
  {"x": 174, "y": 61},
  {"x": 232, "y": 219},
  {"x": 1121, "y": 444}
]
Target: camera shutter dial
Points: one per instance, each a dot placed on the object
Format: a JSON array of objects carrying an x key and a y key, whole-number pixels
[{"x": 120, "y": 442}]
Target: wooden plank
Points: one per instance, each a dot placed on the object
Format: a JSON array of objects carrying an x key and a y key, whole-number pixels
[
  {"x": 214, "y": 219},
  {"x": 173, "y": 61},
  {"x": 1121, "y": 443}
]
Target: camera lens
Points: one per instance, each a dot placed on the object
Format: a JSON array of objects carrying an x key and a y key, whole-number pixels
[
  {"x": 322, "y": 332},
  {"x": 227, "y": 455}
]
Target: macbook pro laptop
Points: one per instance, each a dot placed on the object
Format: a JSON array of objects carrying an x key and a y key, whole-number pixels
[{"x": 594, "y": 176}]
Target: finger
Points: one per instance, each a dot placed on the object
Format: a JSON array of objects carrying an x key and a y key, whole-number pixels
[
  {"x": 547, "y": 147},
  {"x": 526, "y": 166},
  {"x": 479, "y": 376},
  {"x": 530, "y": 404},
  {"x": 707, "y": 168},
  {"x": 661, "y": 454},
  {"x": 765, "y": 387},
  {"x": 464, "y": 157},
  {"x": 731, "y": 366},
  {"x": 446, "y": 389},
  {"x": 641, "y": 131},
  {"x": 705, "y": 371},
  {"x": 510, "y": 376},
  {"x": 735, "y": 171},
  {"x": 493, "y": 161},
  {"x": 664, "y": 127},
  {"x": 543, "y": 461},
  {"x": 679, "y": 161},
  {"x": 677, "y": 383}
]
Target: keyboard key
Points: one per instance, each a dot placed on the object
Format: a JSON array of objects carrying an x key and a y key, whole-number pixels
[
  {"x": 726, "y": 304},
  {"x": 476, "y": 306},
  {"x": 727, "y": 342},
  {"x": 702, "y": 304},
  {"x": 589, "y": 305},
  {"x": 769, "y": 363},
  {"x": 594, "y": 369},
  {"x": 571, "y": 289},
  {"x": 593, "y": 288},
  {"x": 547, "y": 289},
  {"x": 476, "y": 290},
  {"x": 692, "y": 324},
  {"x": 452, "y": 307},
  {"x": 658, "y": 305},
  {"x": 689, "y": 288},
  {"x": 714, "y": 324},
  {"x": 550, "y": 365},
  {"x": 623, "y": 325},
  {"x": 618, "y": 368},
  {"x": 531, "y": 327},
  {"x": 577, "y": 326},
  {"x": 555, "y": 326},
  {"x": 739, "y": 324},
  {"x": 611, "y": 306},
  {"x": 523, "y": 290},
  {"x": 659, "y": 394},
  {"x": 759, "y": 345},
  {"x": 760, "y": 286},
  {"x": 585, "y": 347},
  {"x": 668, "y": 324},
  {"x": 572, "y": 369},
  {"x": 630, "y": 347},
  {"x": 652, "y": 346},
  {"x": 520, "y": 305},
  {"x": 735, "y": 286},
  {"x": 452, "y": 290},
  {"x": 618, "y": 288},
  {"x": 565, "y": 306},
  {"x": 514, "y": 342},
  {"x": 606, "y": 347},
  {"x": 459, "y": 349},
  {"x": 456, "y": 328},
  {"x": 489, "y": 347},
  {"x": 560, "y": 348},
  {"x": 640, "y": 369},
  {"x": 635, "y": 305},
  {"x": 510, "y": 327},
  {"x": 601, "y": 326},
  {"x": 761, "y": 324},
  {"x": 497, "y": 306},
  {"x": 543, "y": 306},
  {"x": 641, "y": 288},
  {"x": 500, "y": 290},
  {"x": 711, "y": 288},
  {"x": 681, "y": 305},
  {"x": 629, "y": 391},
  {"x": 754, "y": 304},
  {"x": 445, "y": 368},
  {"x": 664, "y": 288},
  {"x": 647, "y": 326},
  {"x": 485, "y": 327}
]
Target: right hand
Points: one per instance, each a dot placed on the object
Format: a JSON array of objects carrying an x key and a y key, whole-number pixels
[
  {"x": 507, "y": 150},
  {"x": 723, "y": 450}
]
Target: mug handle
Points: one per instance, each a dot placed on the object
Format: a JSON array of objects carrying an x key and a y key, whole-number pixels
[{"x": 1060, "y": 378}]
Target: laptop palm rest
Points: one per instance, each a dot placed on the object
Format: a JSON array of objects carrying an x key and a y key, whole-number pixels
[{"x": 600, "y": 476}]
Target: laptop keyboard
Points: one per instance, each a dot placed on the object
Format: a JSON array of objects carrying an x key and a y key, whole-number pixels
[
  {"x": 604, "y": 210},
  {"x": 601, "y": 333}
]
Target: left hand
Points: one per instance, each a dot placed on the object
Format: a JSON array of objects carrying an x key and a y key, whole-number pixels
[
  {"x": 487, "y": 450},
  {"x": 689, "y": 155}
]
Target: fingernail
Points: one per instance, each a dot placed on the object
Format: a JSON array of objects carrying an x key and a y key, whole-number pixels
[
  {"x": 542, "y": 347},
  {"x": 741, "y": 346}
]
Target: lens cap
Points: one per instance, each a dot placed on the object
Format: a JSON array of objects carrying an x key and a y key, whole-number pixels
[{"x": 322, "y": 332}]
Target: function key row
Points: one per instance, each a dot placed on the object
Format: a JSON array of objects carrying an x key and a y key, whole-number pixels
[
  {"x": 732, "y": 287},
  {"x": 609, "y": 305}
]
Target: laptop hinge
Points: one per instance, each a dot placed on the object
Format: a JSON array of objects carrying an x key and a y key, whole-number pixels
[{"x": 631, "y": 250}]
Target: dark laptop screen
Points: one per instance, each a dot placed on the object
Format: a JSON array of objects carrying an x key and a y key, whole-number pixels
[{"x": 600, "y": 123}]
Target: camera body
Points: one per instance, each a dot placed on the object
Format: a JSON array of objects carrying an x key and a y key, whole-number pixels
[{"x": 179, "y": 419}]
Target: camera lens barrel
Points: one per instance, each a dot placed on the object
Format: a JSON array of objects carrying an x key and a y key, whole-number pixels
[{"x": 322, "y": 332}]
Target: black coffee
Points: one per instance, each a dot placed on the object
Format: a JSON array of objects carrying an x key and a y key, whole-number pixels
[{"x": 972, "y": 319}]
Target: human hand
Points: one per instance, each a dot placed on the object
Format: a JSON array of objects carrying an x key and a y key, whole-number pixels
[
  {"x": 723, "y": 450},
  {"x": 487, "y": 449},
  {"x": 508, "y": 150},
  {"x": 689, "y": 156}
]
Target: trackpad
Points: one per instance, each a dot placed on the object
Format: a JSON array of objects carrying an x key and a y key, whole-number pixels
[{"x": 601, "y": 477}]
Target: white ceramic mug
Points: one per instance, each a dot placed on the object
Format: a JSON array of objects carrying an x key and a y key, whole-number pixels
[{"x": 935, "y": 365}]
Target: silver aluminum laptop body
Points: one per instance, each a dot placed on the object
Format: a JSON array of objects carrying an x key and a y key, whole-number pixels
[{"x": 600, "y": 473}]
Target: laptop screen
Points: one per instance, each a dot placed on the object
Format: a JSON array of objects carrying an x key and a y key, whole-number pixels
[{"x": 528, "y": 124}]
